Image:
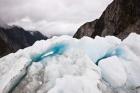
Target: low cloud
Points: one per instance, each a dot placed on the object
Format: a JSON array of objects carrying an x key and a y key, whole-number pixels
[
  {"x": 51, "y": 16},
  {"x": 48, "y": 28}
]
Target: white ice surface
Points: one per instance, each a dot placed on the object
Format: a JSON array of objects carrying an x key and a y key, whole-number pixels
[
  {"x": 67, "y": 65},
  {"x": 113, "y": 71}
]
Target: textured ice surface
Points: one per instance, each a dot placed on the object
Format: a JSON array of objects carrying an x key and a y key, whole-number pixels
[
  {"x": 54, "y": 50},
  {"x": 99, "y": 47},
  {"x": 67, "y": 65},
  {"x": 113, "y": 71}
]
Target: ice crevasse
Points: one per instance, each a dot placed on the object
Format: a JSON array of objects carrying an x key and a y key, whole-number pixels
[{"x": 68, "y": 65}]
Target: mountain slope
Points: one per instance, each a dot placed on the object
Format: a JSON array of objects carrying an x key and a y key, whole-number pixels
[
  {"x": 14, "y": 38},
  {"x": 120, "y": 18}
]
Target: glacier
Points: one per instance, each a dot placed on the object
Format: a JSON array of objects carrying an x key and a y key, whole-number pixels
[{"x": 68, "y": 65}]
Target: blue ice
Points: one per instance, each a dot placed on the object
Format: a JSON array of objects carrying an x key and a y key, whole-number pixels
[
  {"x": 54, "y": 50},
  {"x": 119, "y": 52}
]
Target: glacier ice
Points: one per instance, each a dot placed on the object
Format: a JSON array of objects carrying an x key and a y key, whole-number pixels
[
  {"x": 55, "y": 49},
  {"x": 68, "y": 65},
  {"x": 113, "y": 71}
]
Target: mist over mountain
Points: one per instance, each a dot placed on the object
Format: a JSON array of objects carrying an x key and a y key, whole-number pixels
[
  {"x": 3, "y": 24},
  {"x": 51, "y": 17},
  {"x": 13, "y": 38}
]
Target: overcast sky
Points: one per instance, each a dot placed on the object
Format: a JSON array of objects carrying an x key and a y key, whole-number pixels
[{"x": 51, "y": 16}]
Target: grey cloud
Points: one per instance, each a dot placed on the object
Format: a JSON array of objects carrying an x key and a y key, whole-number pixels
[{"x": 63, "y": 12}]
